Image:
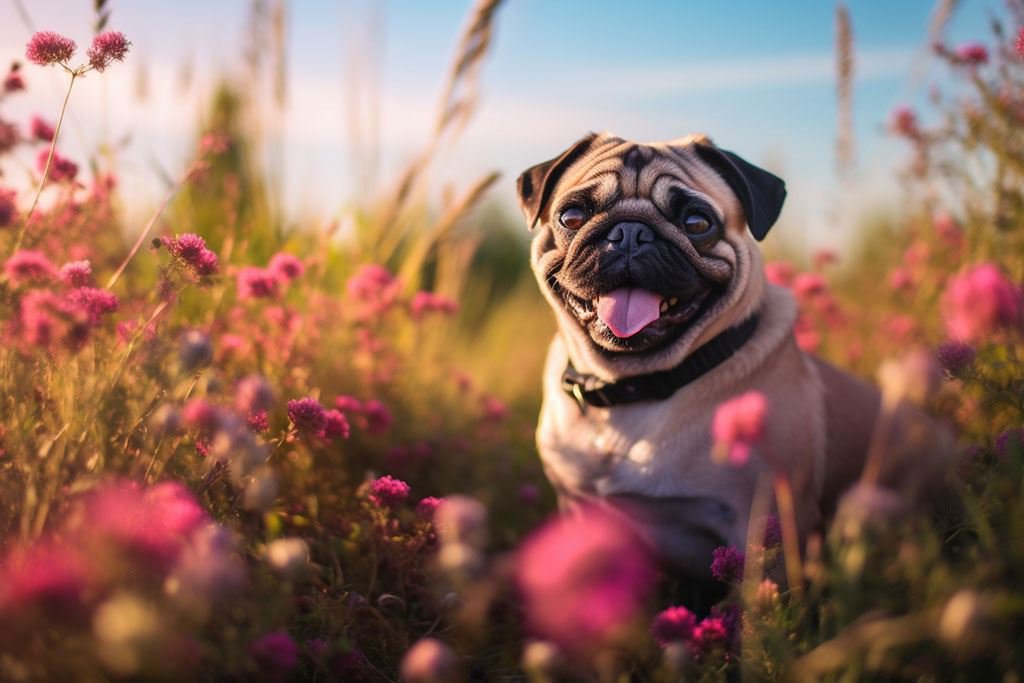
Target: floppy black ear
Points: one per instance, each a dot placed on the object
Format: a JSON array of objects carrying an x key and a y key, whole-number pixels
[
  {"x": 760, "y": 193},
  {"x": 537, "y": 183}
]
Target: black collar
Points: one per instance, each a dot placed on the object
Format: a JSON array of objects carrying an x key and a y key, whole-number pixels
[{"x": 590, "y": 390}]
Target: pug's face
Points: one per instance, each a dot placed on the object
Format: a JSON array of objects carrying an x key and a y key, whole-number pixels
[{"x": 640, "y": 246}]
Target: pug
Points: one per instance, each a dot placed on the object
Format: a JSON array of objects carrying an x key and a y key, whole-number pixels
[{"x": 647, "y": 254}]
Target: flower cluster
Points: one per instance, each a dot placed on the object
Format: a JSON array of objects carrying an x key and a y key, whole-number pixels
[
  {"x": 738, "y": 426},
  {"x": 191, "y": 252}
]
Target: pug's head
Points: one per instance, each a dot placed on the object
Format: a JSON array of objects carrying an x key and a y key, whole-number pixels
[{"x": 643, "y": 250}]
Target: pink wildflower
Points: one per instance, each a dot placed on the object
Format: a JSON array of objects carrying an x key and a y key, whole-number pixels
[
  {"x": 428, "y": 302},
  {"x": 348, "y": 404},
  {"x": 710, "y": 634},
  {"x": 673, "y": 625},
  {"x": 971, "y": 54},
  {"x": 1020, "y": 42},
  {"x": 47, "y": 47},
  {"x": 980, "y": 301},
  {"x": 900, "y": 279},
  {"x": 903, "y": 121},
  {"x": 76, "y": 274},
  {"x": 286, "y": 267},
  {"x": 427, "y": 507},
  {"x": 947, "y": 228},
  {"x": 373, "y": 290},
  {"x": 336, "y": 424},
  {"x": 256, "y": 283},
  {"x": 192, "y": 251},
  {"x": 41, "y": 130},
  {"x": 727, "y": 564},
  {"x": 387, "y": 491},
  {"x": 779, "y": 273},
  {"x": 954, "y": 356},
  {"x": 807, "y": 336},
  {"x": 378, "y": 417},
  {"x": 258, "y": 421},
  {"x": 152, "y": 523},
  {"x": 738, "y": 425},
  {"x": 45, "y": 574},
  {"x": 583, "y": 578},
  {"x": 8, "y": 207},
  {"x": 61, "y": 168},
  {"x": 200, "y": 414},
  {"x": 494, "y": 409},
  {"x": 824, "y": 257},
  {"x": 107, "y": 47},
  {"x": 808, "y": 285},
  {"x": 276, "y": 653},
  {"x": 28, "y": 265},
  {"x": 94, "y": 302},
  {"x": 37, "y": 320},
  {"x": 13, "y": 82},
  {"x": 307, "y": 415}
]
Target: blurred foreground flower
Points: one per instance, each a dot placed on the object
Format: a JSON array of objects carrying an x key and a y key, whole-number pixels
[
  {"x": 914, "y": 377},
  {"x": 737, "y": 426},
  {"x": 980, "y": 301},
  {"x": 430, "y": 661},
  {"x": 584, "y": 579},
  {"x": 674, "y": 624}
]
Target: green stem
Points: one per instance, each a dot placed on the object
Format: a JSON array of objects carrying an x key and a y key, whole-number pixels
[{"x": 46, "y": 169}]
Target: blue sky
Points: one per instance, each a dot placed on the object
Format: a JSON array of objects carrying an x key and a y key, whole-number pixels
[{"x": 756, "y": 76}]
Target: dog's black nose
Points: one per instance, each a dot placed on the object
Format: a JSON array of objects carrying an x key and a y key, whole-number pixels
[{"x": 628, "y": 236}]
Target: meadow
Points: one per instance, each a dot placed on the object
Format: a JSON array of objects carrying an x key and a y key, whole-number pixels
[{"x": 232, "y": 448}]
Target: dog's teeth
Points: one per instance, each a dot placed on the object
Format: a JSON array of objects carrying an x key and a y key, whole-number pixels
[
  {"x": 673, "y": 301},
  {"x": 664, "y": 305}
]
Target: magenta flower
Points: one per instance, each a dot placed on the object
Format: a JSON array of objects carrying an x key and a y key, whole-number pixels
[
  {"x": 13, "y": 82},
  {"x": 673, "y": 625},
  {"x": 738, "y": 425},
  {"x": 1020, "y": 42},
  {"x": 256, "y": 283},
  {"x": 107, "y": 47},
  {"x": 47, "y": 47},
  {"x": 286, "y": 267},
  {"x": 335, "y": 424},
  {"x": 971, "y": 54},
  {"x": 378, "y": 418},
  {"x": 76, "y": 274},
  {"x": 37, "y": 317},
  {"x": 903, "y": 121},
  {"x": 979, "y": 301},
  {"x": 710, "y": 634},
  {"x": 373, "y": 290},
  {"x": 584, "y": 578},
  {"x": 95, "y": 303},
  {"x": 387, "y": 491},
  {"x": 8, "y": 207},
  {"x": 954, "y": 356},
  {"x": 46, "y": 574},
  {"x": 191, "y": 250},
  {"x": 201, "y": 415},
  {"x": 779, "y": 273},
  {"x": 727, "y": 564},
  {"x": 808, "y": 285},
  {"x": 348, "y": 404},
  {"x": 427, "y": 507},
  {"x": 423, "y": 303},
  {"x": 28, "y": 265},
  {"x": 900, "y": 279},
  {"x": 275, "y": 652},
  {"x": 307, "y": 415},
  {"x": 153, "y": 524},
  {"x": 61, "y": 168},
  {"x": 258, "y": 421},
  {"x": 41, "y": 130}
]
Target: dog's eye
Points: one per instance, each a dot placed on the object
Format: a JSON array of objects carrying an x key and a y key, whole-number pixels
[
  {"x": 573, "y": 218},
  {"x": 697, "y": 224}
]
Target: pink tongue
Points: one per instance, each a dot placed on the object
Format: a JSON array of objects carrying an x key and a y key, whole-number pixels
[{"x": 627, "y": 311}]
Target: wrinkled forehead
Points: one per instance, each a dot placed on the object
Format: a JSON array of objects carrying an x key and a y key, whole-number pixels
[{"x": 616, "y": 169}]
